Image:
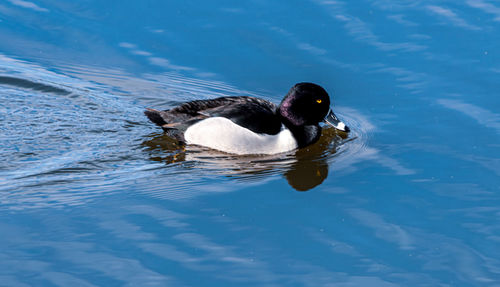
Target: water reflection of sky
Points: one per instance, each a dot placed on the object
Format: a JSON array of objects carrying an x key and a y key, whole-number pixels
[{"x": 93, "y": 195}]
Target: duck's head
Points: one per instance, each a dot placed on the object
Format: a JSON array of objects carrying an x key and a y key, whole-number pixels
[{"x": 309, "y": 104}]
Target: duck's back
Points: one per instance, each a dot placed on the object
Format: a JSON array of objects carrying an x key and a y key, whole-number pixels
[{"x": 251, "y": 113}]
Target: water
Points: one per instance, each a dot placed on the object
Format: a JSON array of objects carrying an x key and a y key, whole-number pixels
[{"x": 92, "y": 194}]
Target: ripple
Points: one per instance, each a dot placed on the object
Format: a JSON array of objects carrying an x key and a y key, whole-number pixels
[
  {"x": 39, "y": 87},
  {"x": 71, "y": 139}
]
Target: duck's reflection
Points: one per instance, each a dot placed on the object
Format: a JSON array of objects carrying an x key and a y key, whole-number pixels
[{"x": 303, "y": 169}]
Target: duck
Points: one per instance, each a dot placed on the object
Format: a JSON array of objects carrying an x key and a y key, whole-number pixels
[{"x": 245, "y": 125}]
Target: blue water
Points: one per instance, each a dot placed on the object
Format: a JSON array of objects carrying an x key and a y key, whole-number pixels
[{"x": 92, "y": 194}]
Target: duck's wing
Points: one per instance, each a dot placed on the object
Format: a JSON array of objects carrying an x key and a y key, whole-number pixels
[
  {"x": 252, "y": 113},
  {"x": 254, "y": 116}
]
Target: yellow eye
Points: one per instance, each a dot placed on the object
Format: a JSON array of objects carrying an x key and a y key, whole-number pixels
[{"x": 319, "y": 101}]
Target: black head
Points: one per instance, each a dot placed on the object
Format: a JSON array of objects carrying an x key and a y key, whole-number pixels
[{"x": 305, "y": 104}]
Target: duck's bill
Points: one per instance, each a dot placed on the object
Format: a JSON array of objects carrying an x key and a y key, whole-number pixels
[{"x": 332, "y": 120}]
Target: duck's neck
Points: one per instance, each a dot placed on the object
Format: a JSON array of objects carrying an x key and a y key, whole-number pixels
[{"x": 305, "y": 135}]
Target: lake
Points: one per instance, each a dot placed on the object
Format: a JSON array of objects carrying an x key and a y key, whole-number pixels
[{"x": 93, "y": 194}]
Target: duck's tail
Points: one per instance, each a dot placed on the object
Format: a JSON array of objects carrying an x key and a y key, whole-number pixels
[
  {"x": 171, "y": 129},
  {"x": 155, "y": 116}
]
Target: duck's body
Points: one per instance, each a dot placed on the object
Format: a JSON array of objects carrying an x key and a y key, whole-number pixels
[{"x": 249, "y": 125}]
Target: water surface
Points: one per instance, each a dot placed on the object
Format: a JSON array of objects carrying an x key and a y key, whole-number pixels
[{"x": 92, "y": 194}]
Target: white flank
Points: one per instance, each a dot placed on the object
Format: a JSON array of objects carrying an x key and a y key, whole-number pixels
[{"x": 222, "y": 134}]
